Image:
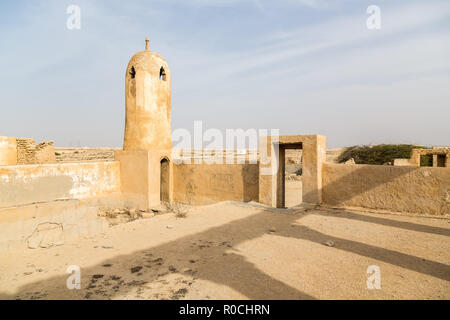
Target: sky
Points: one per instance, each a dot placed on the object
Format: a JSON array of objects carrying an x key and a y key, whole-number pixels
[{"x": 300, "y": 66}]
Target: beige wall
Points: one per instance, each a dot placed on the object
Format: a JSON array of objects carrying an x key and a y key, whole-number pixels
[
  {"x": 200, "y": 184},
  {"x": 402, "y": 162},
  {"x": 8, "y": 151},
  {"x": 422, "y": 190},
  {"x": 26, "y": 184},
  {"x": 140, "y": 176}
]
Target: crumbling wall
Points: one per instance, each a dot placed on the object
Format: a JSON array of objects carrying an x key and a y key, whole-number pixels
[
  {"x": 22, "y": 184},
  {"x": 26, "y": 151},
  {"x": 421, "y": 190},
  {"x": 84, "y": 154},
  {"x": 17, "y": 151},
  {"x": 294, "y": 156},
  {"x": 45, "y": 152},
  {"x": 8, "y": 151}
]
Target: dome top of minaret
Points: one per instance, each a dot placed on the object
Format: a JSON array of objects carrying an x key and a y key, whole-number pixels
[{"x": 147, "y": 60}]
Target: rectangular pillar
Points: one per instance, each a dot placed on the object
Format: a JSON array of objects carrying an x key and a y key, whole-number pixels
[
  {"x": 268, "y": 172},
  {"x": 140, "y": 173},
  {"x": 314, "y": 155}
]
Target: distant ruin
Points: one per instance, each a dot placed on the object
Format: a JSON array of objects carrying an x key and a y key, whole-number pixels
[{"x": 16, "y": 151}]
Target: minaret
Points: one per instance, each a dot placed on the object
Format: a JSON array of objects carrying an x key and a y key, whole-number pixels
[
  {"x": 146, "y": 168},
  {"x": 147, "y": 102}
]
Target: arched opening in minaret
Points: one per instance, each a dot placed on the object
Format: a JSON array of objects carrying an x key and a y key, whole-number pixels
[
  {"x": 133, "y": 73},
  {"x": 162, "y": 74},
  {"x": 165, "y": 181}
]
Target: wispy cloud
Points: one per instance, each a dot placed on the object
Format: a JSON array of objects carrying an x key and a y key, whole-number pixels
[
  {"x": 401, "y": 38},
  {"x": 299, "y": 65}
]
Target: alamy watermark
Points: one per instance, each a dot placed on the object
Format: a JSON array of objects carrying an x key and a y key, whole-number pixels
[
  {"x": 73, "y": 21},
  {"x": 74, "y": 280},
  {"x": 213, "y": 146},
  {"x": 374, "y": 279},
  {"x": 374, "y": 20}
]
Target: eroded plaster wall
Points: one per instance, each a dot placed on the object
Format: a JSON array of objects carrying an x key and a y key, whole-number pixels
[
  {"x": 201, "y": 184},
  {"x": 421, "y": 190},
  {"x": 8, "y": 151},
  {"x": 25, "y": 184},
  {"x": 48, "y": 224}
]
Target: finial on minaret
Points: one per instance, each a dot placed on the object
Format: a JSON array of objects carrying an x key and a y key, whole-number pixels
[{"x": 146, "y": 43}]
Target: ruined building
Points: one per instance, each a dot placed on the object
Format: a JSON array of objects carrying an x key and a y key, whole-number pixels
[{"x": 145, "y": 174}]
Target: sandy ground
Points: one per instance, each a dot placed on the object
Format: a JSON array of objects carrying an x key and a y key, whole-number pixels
[
  {"x": 239, "y": 251},
  {"x": 293, "y": 193}
]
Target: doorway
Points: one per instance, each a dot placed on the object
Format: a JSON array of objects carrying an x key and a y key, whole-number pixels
[
  {"x": 165, "y": 181},
  {"x": 292, "y": 176},
  {"x": 441, "y": 159}
]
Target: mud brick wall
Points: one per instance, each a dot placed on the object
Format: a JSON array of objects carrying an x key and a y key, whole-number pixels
[
  {"x": 26, "y": 151},
  {"x": 45, "y": 152},
  {"x": 420, "y": 190},
  {"x": 200, "y": 184}
]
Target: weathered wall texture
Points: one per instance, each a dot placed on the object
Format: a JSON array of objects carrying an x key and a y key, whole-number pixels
[
  {"x": 26, "y": 151},
  {"x": 84, "y": 154},
  {"x": 293, "y": 156},
  {"x": 37, "y": 183},
  {"x": 45, "y": 152},
  {"x": 48, "y": 224},
  {"x": 8, "y": 151},
  {"x": 422, "y": 190},
  {"x": 200, "y": 184}
]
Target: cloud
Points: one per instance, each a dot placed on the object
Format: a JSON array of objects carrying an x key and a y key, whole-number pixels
[
  {"x": 307, "y": 3},
  {"x": 344, "y": 36}
]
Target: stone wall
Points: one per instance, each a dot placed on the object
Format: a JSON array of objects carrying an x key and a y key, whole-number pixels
[
  {"x": 416, "y": 153},
  {"x": 84, "y": 154},
  {"x": 200, "y": 184},
  {"x": 26, "y": 151},
  {"x": 421, "y": 190},
  {"x": 18, "y": 151}
]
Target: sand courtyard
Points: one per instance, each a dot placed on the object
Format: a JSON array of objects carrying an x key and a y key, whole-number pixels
[{"x": 233, "y": 250}]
